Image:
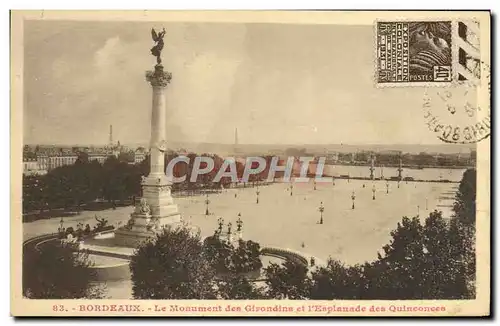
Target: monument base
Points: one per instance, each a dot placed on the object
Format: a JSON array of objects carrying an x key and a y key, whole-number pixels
[
  {"x": 142, "y": 225},
  {"x": 133, "y": 236}
]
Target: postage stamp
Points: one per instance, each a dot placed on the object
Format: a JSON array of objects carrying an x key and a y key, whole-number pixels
[
  {"x": 244, "y": 164},
  {"x": 414, "y": 52}
]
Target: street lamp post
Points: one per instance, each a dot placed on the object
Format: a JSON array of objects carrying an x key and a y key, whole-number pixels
[
  {"x": 387, "y": 187},
  {"x": 229, "y": 231},
  {"x": 220, "y": 220},
  {"x": 426, "y": 204},
  {"x": 61, "y": 225},
  {"x": 333, "y": 181},
  {"x": 207, "y": 202},
  {"x": 373, "y": 191},
  {"x": 257, "y": 192},
  {"x": 353, "y": 197},
  {"x": 239, "y": 224},
  {"x": 418, "y": 210},
  {"x": 321, "y": 210}
]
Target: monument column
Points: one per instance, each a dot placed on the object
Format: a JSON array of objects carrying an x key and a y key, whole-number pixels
[
  {"x": 159, "y": 81},
  {"x": 156, "y": 208},
  {"x": 156, "y": 187}
]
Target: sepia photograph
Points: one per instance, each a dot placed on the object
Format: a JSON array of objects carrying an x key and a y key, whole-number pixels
[{"x": 301, "y": 163}]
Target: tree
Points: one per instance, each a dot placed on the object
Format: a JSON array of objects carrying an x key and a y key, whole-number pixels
[
  {"x": 115, "y": 178},
  {"x": 59, "y": 186},
  {"x": 57, "y": 272},
  {"x": 172, "y": 266},
  {"x": 246, "y": 257},
  {"x": 426, "y": 261},
  {"x": 337, "y": 281},
  {"x": 401, "y": 265},
  {"x": 177, "y": 265},
  {"x": 237, "y": 287},
  {"x": 444, "y": 274},
  {"x": 33, "y": 193},
  {"x": 218, "y": 254},
  {"x": 464, "y": 207},
  {"x": 287, "y": 281},
  {"x": 226, "y": 258},
  {"x": 126, "y": 157},
  {"x": 83, "y": 157},
  {"x": 462, "y": 242},
  {"x": 464, "y": 227}
]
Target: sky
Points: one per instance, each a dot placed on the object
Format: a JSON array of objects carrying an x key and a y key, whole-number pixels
[{"x": 276, "y": 83}]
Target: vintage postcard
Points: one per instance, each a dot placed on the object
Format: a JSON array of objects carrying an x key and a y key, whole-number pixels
[{"x": 270, "y": 163}]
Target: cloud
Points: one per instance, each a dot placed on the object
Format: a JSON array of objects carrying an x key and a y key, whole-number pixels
[{"x": 108, "y": 53}]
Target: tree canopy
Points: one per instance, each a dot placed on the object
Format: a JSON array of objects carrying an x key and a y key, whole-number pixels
[
  {"x": 57, "y": 272},
  {"x": 177, "y": 264}
]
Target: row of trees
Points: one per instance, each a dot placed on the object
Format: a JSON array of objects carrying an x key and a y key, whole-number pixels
[
  {"x": 73, "y": 186},
  {"x": 433, "y": 259}
]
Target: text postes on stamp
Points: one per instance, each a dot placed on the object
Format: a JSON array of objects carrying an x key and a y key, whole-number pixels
[{"x": 414, "y": 52}]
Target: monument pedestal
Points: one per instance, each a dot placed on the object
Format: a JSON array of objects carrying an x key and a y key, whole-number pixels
[{"x": 155, "y": 211}]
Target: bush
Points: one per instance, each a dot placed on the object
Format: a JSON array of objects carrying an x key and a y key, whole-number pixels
[
  {"x": 70, "y": 230},
  {"x": 172, "y": 266},
  {"x": 336, "y": 281},
  {"x": 178, "y": 265},
  {"x": 287, "y": 281},
  {"x": 57, "y": 272},
  {"x": 225, "y": 258}
]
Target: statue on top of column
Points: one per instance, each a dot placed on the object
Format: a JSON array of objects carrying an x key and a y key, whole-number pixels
[
  {"x": 158, "y": 38},
  {"x": 158, "y": 77}
]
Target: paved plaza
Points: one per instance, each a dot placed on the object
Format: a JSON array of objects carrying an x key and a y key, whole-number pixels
[{"x": 284, "y": 221}]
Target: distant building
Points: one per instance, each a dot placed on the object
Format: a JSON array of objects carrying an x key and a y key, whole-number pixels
[
  {"x": 139, "y": 155},
  {"x": 333, "y": 157},
  {"x": 390, "y": 152},
  {"x": 49, "y": 162},
  {"x": 61, "y": 160},
  {"x": 43, "y": 162},
  {"x": 30, "y": 166},
  {"x": 99, "y": 157}
]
